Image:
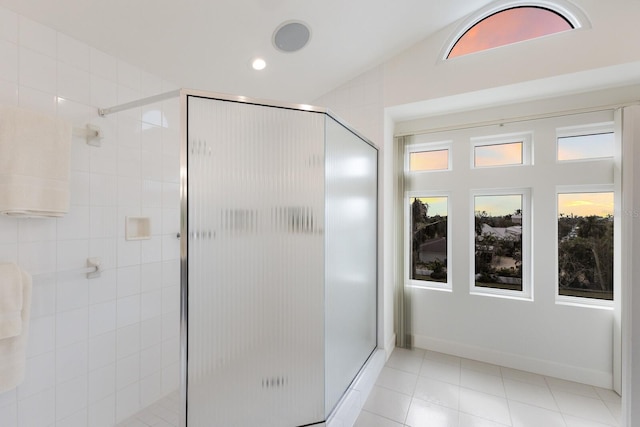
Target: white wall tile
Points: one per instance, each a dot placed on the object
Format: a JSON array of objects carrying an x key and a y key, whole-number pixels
[
  {"x": 9, "y": 397},
  {"x": 9, "y": 63},
  {"x": 150, "y": 84},
  {"x": 102, "y": 350},
  {"x": 151, "y": 250},
  {"x": 103, "y": 222},
  {"x": 170, "y": 378},
  {"x": 103, "y": 189},
  {"x": 104, "y": 161},
  {"x": 9, "y": 230},
  {"x": 170, "y": 221},
  {"x": 105, "y": 249},
  {"x": 37, "y": 410},
  {"x": 170, "y": 247},
  {"x": 74, "y": 52},
  {"x": 170, "y": 168},
  {"x": 129, "y": 190},
  {"x": 151, "y": 332},
  {"x": 80, "y": 155},
  {"x": 71, "y": 397},
  {"x": 128, "y": 310},
  {"x": 8, "y": 25},
  {"x": 38, "y": 257},
  {"x": 151, "y": 115},
  {"x": 9, "y": 415},
  {"x": 72, "y": 326},
  {"x": 37, "y": 70},
  {"x": 35, "y": 230},
  {"x": 42, "y": 335},
  {"x": 128, "y": 252},
  {"x": 72, "y": 254},
  {"x": 102, "y": 318},
  {"x": 71, "y": 361},
  {"x": 129, "y": 162},
  {"x": 150, "y": 360},
  {"x": 128, "y": 281},
  {"x": 39, "y": 375},
  {"x": 75, "y": 224},
  {"x": 150, "y": 389},
  {"x": 170, "y": 351},
  {"x": 103, "y": 288},
  {"x": 37, "y": 100},
  {"x": 9, "y": 93},
  {"x": 43, "y": 297},
  {"x": 128, "y": 341},
  {"x": 170, "y": 299},
  {"x": 37, "y": 37},
  {"x": 103, "y": 65},
  {"x": 151, "y": 276},
  {"x": 170, "y": 325},
  {"x": 151, "y": 304},
  {"x": 78, "y": 419},
  {"x": 72, "y": 292},
  {"x": 127, "y": 371},
  {"x": 170, "y": 273},
  {"x": 102, "y": 383},
  {"x": 103, "y": 92},
  {"x": 77, "y": 113},
  {"x": 74, "y": 83},
  {"x": 151, "y": 196},
  {"x": 127, "y": 401},
  {"x": 128, "y": 75},
  {"x": 103, "y": 412}
]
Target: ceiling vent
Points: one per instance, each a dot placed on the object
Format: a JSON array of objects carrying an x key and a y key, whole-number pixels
[{"x": 291, "y": 36}]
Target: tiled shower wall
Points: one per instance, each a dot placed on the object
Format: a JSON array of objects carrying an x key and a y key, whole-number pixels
[{"x": 99, "y": 349}]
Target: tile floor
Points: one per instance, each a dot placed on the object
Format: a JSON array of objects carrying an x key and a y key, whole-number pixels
[
  {"x": 419, "y": 388},
  {"x": 163, "y": 413}
]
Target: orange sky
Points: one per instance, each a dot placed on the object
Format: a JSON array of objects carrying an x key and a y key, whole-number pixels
[
  {"x": 429, "y": 160},
  {"x": 509, "y": 26},
  {"x": 586, "y": 204}
]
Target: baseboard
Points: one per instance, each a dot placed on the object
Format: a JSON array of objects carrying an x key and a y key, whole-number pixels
[{"x": 516, "y": 361}]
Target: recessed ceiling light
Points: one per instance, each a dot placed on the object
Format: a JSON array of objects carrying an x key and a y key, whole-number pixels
[
  {"x": 258, "y": 64},
  {"x": 291, "y": 36}
]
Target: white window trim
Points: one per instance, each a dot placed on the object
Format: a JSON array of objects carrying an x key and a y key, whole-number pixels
[
  {"x": 578, "y": 301},
  {"x": 526, "y": 138},
  {"x": 429, "y": 146},
  {"x": 423, "y": 284},
  {"x": 573, "y": 14},
  {"x": 526, "y": 293},
  {"x": 584, "y": 130}
]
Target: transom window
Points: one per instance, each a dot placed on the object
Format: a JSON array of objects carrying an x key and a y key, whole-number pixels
[{"x": 507, "y": 26}]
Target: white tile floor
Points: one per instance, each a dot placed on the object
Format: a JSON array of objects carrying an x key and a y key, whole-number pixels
[
  {"x": 419, "y": 388},
  {"x": 163, "y": 413}
]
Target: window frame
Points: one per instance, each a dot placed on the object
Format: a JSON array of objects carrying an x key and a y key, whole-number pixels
[
  {"x": 426, "y": 284},
  {"x": 576, "y": 17},
  {"x": 526, "y": 138},
  {"x": 428, "y": 146},
  {"x": 580, "y": 301},
  {"x": 584, "y": 130},
  {"x": 526, "y": 294}
]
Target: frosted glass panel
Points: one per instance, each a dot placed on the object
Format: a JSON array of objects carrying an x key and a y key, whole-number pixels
[
  {"x": 351, "y": 206},
  {"x": 256, "y": 270}
]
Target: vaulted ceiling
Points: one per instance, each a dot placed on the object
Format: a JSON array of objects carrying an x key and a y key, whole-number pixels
[{"x": 209, "y": 44}]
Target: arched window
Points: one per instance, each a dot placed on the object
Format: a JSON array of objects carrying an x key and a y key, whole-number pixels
[{"x": 510, "y": 22}]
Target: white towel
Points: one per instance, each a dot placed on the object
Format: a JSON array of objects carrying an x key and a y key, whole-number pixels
[
  {"x": 13, "y": 350},
  {"x": 34, "y": 163},
  {"x": 10, "y": 300}
]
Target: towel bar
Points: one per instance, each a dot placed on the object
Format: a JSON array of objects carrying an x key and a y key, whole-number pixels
[{"x": 93, "y": 269}]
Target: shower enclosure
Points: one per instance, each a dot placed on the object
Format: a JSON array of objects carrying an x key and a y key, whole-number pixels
[{"x": 278, "y": 256}]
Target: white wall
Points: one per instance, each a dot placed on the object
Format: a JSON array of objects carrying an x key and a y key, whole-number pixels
[
  {"x": 418, "y": 74},
  {"x": 98, "y": 349}
]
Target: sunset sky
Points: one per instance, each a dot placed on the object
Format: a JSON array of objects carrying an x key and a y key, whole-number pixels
[
  {"x": 585, "y": 204},
  {"x": 498, "y": 205},
  {"x": 437, "y": 205},
  {"x": 586, "y": 146},
  {"x": 429, "y": 160},
  {"x": 498, "y": 154},
  {"x": 509, "y": 26}
]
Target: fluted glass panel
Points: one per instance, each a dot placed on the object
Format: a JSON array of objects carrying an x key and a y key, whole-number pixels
[
  {"x": 350, "y": 287},
  {"x": 255, "y": 265}
]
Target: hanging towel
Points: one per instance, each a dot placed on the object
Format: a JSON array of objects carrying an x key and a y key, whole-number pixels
[
  {"x": 10, "y": 300},
  {"x": 34, "y": 163},
  {"x": 13, "y": 350}
]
